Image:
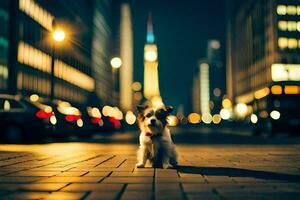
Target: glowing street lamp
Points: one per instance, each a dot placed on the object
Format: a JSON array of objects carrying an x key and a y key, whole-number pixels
[
  {"x": 59, "y": 35},
  {"x": 116, "y": 62}
]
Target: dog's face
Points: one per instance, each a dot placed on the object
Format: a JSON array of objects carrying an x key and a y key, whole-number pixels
[{"x": 153, "y": 120}]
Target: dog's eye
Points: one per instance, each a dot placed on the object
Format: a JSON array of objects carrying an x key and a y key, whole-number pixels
[
  {"x": 149, "y": 115},
  {"x": 160, "y": 113}
]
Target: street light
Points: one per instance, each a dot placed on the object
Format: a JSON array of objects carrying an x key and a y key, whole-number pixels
[
  {"x": 116, "y": 62},
  {"x": 58, "y": 36}
]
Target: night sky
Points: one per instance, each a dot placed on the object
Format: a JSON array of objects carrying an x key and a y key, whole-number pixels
[{"x": 181, "y": 28}]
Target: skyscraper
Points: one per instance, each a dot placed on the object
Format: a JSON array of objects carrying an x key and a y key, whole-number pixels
[
  {"x": 80, "y": 61},
  {"x": 209, "y": 81},
  {"x": 126, "y": 53},
  {"x": 151, "y": 83},
  {"x": 263, "y": 47},
  {"x": 263, "y": 62}
]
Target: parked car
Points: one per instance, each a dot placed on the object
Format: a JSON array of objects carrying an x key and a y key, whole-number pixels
[
  {"x": 69, "y": 118},
  {"x": 92, "y": 120},
  {"x": 22, "y": 120}
]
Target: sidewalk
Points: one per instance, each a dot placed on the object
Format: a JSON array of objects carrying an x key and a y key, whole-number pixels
[{"x": 96, "y": 171}]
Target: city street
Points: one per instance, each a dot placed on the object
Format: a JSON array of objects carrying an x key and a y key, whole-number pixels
[{"x": 213, "y": 164}]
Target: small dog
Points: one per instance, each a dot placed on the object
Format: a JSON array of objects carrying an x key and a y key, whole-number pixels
[{"x": 156, "y": 144}]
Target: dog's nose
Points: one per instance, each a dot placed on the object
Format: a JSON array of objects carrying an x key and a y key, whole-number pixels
[{"x": 152, "y": 121}]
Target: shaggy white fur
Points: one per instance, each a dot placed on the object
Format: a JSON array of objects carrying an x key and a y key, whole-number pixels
[{"x": 156, "y": 144}]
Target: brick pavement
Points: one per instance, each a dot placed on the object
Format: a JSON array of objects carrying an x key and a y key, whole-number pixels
[{"x": 97, "y": 171}]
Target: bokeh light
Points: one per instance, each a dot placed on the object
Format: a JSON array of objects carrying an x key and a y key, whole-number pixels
[
  {"x": 275, "y": 114},
  {"x": 172, "y": 120},
  {"x": 216, "y": 119},
  {"x": 253, "y": 118},
  {"x": 241, "y": 109},
  {"x": 194, "y": 118},
  {"x": 116, "y": 62},
  {"x": 34, "y": 97},
  {"x": 225, "y": 113},
  {"x": 136, "y": 86},
  {"x": 130, "y": 118},
  {"x": 206, "y": 118}
]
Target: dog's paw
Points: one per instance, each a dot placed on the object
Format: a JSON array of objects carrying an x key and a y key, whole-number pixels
[
  {"x": 140, "y": 165},
  {"x": 168, "y": 166}
]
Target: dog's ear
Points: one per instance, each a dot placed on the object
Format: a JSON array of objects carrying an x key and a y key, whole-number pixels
[
  {"x": 169, "y": 109},
  {"x": 141, "y": 108}
]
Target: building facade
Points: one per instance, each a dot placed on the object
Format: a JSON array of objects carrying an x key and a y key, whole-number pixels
[
  {"x": 78, "y": 76},
  {"x": 102, "y": 43},
  {"x": 263, "y": 48},
  {"x": 126, "y": 54},
  {"x": 209, "y": 85},
  {"x": 4, "y": 21}
]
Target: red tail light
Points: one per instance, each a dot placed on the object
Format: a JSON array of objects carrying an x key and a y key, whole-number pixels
[
  {"x": 96, "y": 120},
  {"x": 115, "y": 122},
  {"x": 43, "y": 114},
  {"x": 71, "y": 118}
]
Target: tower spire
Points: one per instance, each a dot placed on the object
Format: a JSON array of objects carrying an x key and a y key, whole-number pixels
[{"x": 150, "y": 36}]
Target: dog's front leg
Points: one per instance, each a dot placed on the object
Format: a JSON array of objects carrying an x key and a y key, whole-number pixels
[{"x": 142, "y": 156}]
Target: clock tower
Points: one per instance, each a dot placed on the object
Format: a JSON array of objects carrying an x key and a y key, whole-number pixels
[{"x": 151, "y": 83}]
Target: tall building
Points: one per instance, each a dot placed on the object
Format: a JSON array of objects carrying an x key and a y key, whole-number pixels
[
  {"x": 4, "y": 35},
  {"x": 126, "y": 53},
  {"x": 101, "y": 50},
  {"x": 263, "y": 48},
  {"x": 209, "y": 81},
  {"x": 151, "y": 83},
  {"x": 26, "y": 60}
]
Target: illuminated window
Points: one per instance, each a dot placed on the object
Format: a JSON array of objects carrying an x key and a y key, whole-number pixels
[
  {"x": 33, "y": 57},
  {"x": 37, "y": 13},
  {"x": 281, "y": 10},
  {"x": 262, "y": 93},
  {"x": 292, "y": 25},
  {"x": 292, "y": 43},
  {"x": 282, "y": 25},
  {"x": 299, "y": 43},
  {"x": 291, "y": 89},
  {"x": 282, "y": 42},
  {"x": 285, "y": 72},
  {"x": 73, "y": 76},
  {"x": 298, "y": 10},
  {"x": 276, "y": 89},
  {"x": 3, "y": 71},
  {"x": 291, "y": 10},
  {"x": 298, "y": 26}
]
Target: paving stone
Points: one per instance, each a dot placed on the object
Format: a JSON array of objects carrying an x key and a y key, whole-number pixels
[
  {"x": 105, "y": 195},
  {"x": 135, "y": 173},
  {"x": 46, "y": 187},
  {"x": 92, "y": 187},
  {"x": 138, "y": 187},
  {"x": 98, "y": 174},
  {"x": 136, "y": 195},
  {"x": 34, "y": 173},
  {"x": 26, "y": 195},
  {"x": 64, "y": 196},
  {"x": 140, "y": 180},
  {"x": 71, "y": 174},
  {"x": 71, "y": 180},
  {"x": 206, "y": 196},
  {"x": 197, "y": 187},
  {"x": 29, "y": 179}
]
